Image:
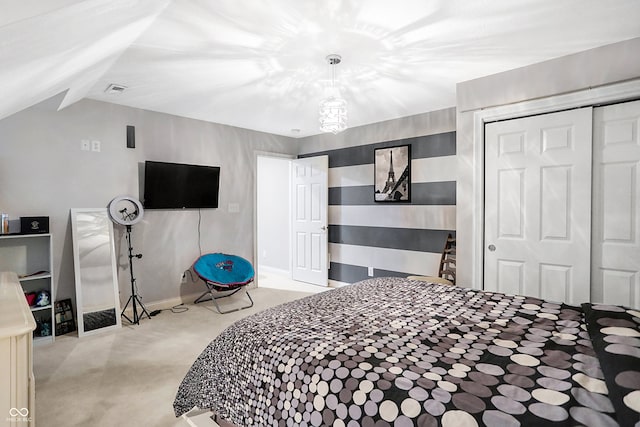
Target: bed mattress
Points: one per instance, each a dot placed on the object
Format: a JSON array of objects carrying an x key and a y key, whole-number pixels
[{"x": 397, "y": 352}]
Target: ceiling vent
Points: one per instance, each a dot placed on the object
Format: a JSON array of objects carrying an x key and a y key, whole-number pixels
[{"x": 114, "y": 88}]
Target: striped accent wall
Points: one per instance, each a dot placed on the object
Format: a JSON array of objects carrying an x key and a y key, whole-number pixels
[{"x": 394, "y": 239}]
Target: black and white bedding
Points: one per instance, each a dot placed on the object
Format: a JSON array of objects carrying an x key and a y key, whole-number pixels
[{"x": 397, "y": 352}]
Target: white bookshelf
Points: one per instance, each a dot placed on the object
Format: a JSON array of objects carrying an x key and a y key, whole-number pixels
[{"x": 26, "y": 254}]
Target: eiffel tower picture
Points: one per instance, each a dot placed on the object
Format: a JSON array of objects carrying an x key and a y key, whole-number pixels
[{"x": 387, "y": 161}]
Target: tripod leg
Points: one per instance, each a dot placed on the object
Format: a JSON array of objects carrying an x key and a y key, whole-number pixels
[
  {"x": 125, "y": 309},
  {"x": 144, "y": 309}
]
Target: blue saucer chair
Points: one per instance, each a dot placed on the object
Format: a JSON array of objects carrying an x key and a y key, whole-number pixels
[{"x": 223, "y": 275}]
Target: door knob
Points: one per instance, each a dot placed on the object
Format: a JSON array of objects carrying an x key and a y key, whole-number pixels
[
  {"x": 323, "y": 228},
  {"x": 492, "y": 248}
]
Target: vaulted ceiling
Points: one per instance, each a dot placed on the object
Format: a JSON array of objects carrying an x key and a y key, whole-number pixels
[{"x": 260, "y": 64}]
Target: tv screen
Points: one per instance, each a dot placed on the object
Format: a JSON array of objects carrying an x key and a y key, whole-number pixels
[{"x": 180, "y": 186}]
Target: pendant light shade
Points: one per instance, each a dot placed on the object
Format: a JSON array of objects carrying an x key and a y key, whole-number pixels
[{"x": 333, "y": 108}]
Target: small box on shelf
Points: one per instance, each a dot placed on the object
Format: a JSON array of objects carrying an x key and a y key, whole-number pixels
[{"x": 34, "y": 224}]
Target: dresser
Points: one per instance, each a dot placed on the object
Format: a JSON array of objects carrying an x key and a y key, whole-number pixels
[{"x": 17, "y": 384}]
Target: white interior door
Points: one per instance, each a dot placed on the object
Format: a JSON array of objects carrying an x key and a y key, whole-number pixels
[
  {"x": 616, "y": 225},
  {"x": 538, "y": 206},
  {"x": 309, "y": 237}
]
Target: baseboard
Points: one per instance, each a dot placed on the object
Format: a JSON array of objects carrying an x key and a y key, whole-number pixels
[
  {"x": 273, "y": 270},
  {"x": 336, "y": 284},
  {"x": 165, "y": 303}
]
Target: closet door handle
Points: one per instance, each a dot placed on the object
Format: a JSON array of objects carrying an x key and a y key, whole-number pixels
[{"x": 492, "y": 248}]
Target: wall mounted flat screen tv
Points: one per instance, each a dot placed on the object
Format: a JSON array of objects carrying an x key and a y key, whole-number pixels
[{"x": 180, "y": 186}]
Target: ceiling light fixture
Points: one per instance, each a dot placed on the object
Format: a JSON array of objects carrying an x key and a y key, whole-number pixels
[{"x": 333, "y": 108}]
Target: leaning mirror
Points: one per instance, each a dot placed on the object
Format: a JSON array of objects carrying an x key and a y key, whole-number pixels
[{"x": 94, "y": 261}]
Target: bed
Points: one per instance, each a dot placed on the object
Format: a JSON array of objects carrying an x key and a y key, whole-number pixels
[{"x": 398, "y": 352}]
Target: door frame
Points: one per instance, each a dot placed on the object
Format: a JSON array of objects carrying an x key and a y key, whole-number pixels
[
  {"x": 617, "y": 92},
  {"x": 256, "y": 154}
]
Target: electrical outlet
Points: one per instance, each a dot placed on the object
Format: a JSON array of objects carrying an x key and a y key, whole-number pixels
[
  {"x": 183, "y": 279},
  {"x": 95, "y": 145},
  {"x": 370, "y": 271}
]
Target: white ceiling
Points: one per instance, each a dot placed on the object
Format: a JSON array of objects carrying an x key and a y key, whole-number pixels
[{"x": 260, "y": 64}]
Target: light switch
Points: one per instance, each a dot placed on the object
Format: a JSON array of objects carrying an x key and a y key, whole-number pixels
[
  {"x": 85, "y": 145},
  {"x": 370, "y": 271}
]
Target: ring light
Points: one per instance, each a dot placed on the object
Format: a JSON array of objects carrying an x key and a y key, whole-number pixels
[{"x": 126, "y": 210}]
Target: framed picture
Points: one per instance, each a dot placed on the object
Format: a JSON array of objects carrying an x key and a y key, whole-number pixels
[
  {"x": 392, "y": 174},
  {"x": 64, "y": 317}
]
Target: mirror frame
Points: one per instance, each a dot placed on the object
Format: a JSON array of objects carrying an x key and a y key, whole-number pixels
[{"x": 77, "y": 271}]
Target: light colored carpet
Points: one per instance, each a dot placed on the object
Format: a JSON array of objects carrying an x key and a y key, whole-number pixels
[{"x": 129, "y": 377}]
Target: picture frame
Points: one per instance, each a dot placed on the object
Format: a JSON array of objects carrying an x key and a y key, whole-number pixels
[
  {"x": 65, "y": 322},
  {"x": 392, "y": 174}
]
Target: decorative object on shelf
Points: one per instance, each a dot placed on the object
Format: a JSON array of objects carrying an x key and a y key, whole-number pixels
[
  {"x": 4, "y": 223},
  {"x": 65, "y": 322},
  {"x": 31, "y": 298},
  {"x": 43, "y": 299},
  {"x": 388, "y": 186},
  {"x": 333, "y": 108},
  {"x": 43, "y": 327},
  {"x": 94, "y": 258},
  {"x": 34, "y": 224},
  {"x": 126, "y": 210}
]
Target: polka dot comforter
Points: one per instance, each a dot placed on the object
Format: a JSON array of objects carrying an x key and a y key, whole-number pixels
[{"x": 396, "y": 352}]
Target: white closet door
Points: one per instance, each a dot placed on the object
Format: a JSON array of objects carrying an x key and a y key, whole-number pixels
[
  {"x": 616, "y": 224},
  {"x": 538, "y": 206}
]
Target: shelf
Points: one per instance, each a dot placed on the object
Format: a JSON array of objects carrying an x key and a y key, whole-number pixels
[
  {"x": 22, "y": 236},
  {"x": 41, "y": 308},
  {"x": 35, "y": 277},
  {"x": 32, "y": 256}
]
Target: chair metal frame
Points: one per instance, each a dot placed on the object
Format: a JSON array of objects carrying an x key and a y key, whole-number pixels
[{"x": 211, "y": 287}]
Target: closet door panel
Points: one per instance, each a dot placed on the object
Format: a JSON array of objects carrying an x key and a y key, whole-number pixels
[
  {"x": 616, "y": 215},
  {"x": 538, "y": 205}
]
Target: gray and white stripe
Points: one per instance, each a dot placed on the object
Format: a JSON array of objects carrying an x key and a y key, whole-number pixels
[{"x": 393, "y": 239}]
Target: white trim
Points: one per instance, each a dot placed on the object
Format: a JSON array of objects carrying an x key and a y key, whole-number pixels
[
  {"x": 273, "y": 270},
  {"x": 337, "y": 284},
  {"x": 618, "y": 92}
]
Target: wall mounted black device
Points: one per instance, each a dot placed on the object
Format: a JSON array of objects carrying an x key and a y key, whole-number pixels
[{"x": 131, "y": 137}]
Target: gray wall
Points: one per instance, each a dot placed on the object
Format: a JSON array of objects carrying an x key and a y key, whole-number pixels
[
  {"x": 592, "y": 68},
  {"x": 391, "y": 239},
  {"x": 44, "y": 172}
]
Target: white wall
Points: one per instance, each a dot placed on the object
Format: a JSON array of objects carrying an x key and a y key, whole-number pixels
[
  {"x": 43, "y": 172},
  {"x": 274, "y": 218},
  {"x": 589, "y": 69}
]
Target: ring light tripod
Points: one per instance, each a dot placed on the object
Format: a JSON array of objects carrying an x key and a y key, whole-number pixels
[{"x": 127, "y": 211}]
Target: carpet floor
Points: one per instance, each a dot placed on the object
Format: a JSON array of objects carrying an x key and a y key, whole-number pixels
[{"x": 129, "y": 377}]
